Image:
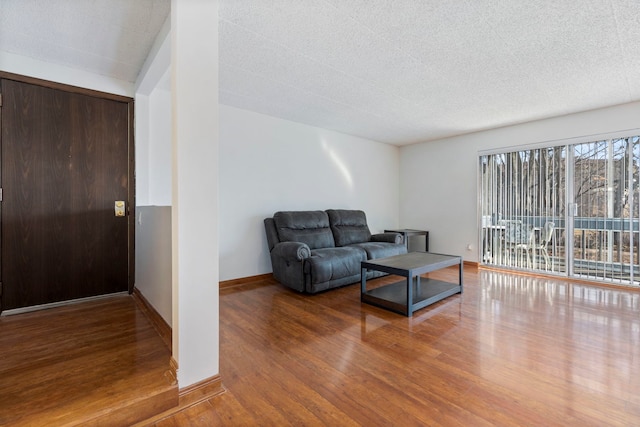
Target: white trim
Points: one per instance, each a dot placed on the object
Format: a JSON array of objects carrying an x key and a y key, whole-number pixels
[{"x": 562, "y": 142}]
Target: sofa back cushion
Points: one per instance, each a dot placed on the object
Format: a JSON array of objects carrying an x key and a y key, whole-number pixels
[
  {"x": 348, "y": 226},
  {"x": 310, "y": 227}
]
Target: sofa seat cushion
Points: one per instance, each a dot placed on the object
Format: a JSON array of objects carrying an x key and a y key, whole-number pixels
[
  {"x": 310, "y": 227},
  {"x": 334, "y": 263},
  {"x": 377, "y": 250}
]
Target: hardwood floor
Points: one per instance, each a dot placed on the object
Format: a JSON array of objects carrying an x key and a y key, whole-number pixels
[
  {"x": 512, "y": 350},
  {"x": 92, "y": 363}
]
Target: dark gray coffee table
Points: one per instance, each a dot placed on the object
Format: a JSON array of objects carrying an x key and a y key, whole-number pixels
[{"x": 414, "y": 293}]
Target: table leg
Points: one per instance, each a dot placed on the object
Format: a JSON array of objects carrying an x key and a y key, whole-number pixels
[
  {"x": 409, "y": 294},
  {"x": 363, "y": 282}
]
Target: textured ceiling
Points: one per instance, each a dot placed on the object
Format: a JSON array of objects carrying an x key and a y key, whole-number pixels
[
  {"x": 403, "y": 71},
  {"x": 106, "y": 37},
  {"x": 396, "y": 71}
]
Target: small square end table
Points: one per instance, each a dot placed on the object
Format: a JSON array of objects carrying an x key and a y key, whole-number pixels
[{"x": 407, "y": 232}]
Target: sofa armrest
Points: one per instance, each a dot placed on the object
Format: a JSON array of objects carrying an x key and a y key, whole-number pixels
[
  {"x": 288, "y": 261},
  {"x": 296, "y": 251},
  {"x": 388, "y": 237}
]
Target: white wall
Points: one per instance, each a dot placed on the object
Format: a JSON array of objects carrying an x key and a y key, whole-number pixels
[
  {"x": 268, "y": 165},
  {"x": 438, "y": 179},
  {"x": 153, "y": 223},
  {"x": 17, "y": 64},
  {"x": 142, "y": 119},
  {"x": 159, "y": 159},
  {"x": 153, "y": 148},
  {"x": 177, "y": 177},
  {"x": 153, "y": 257},
  {"x": 153, "y": 179},
  {"x": 153, "y": 210},
  {"x": 153, "y": 124},
  {"x": 195, "y": 177}
]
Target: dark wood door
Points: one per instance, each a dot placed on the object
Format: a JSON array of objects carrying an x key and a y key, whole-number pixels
[{"x": 65, "y": 161}]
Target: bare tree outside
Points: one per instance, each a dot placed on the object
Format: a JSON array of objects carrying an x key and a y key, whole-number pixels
[{"x": 527, "y": 190}]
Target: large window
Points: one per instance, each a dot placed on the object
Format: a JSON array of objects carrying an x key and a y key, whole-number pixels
[{"x": 570, "y": 209}]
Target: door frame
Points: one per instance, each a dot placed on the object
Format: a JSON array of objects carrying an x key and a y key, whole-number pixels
[{"x": 131, "y": 199}]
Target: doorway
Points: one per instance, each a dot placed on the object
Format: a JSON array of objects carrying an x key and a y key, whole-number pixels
[
  {"x": 67, "y": 205},
  {"x": 571, "y": 209}
]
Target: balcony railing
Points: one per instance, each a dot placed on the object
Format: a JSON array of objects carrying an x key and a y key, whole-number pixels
[{"x": 603, "y": 248}]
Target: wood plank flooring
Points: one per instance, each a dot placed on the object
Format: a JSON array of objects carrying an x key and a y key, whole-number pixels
[
  {"x": 92, "y": 363},
  {"x": 512, "y": 350}
]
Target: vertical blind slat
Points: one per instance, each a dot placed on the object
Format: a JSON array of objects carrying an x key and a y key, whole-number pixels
[{"x": 524, "y": 190}]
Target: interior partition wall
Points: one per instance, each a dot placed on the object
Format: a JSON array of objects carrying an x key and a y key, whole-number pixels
[{"x": 568, "y": 209}]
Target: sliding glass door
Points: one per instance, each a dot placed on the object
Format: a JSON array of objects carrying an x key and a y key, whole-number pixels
[
  {"x": 523, "y": 199},
  {"x": 605, "y": 210},
  {"x": 570, "y": 209}
]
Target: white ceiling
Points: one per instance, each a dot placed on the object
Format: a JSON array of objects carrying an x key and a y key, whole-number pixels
[
  {"x": 396, "y": 71},
  {"x": 106, "y": 37}
]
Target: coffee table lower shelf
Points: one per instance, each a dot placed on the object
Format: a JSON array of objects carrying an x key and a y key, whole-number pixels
[{"x": 394, "y": 296}]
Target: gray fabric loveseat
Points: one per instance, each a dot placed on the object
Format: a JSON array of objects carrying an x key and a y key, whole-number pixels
[{"x": 312, "y": 251}]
